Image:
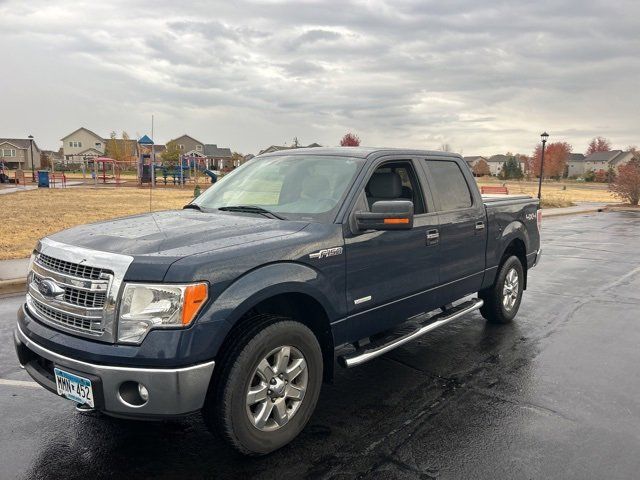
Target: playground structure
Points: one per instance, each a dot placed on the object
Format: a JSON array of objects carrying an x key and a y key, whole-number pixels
[{"x": 106, "y": 170}]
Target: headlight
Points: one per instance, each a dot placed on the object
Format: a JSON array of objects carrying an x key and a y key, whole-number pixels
[{"x": 144, "y": 307}]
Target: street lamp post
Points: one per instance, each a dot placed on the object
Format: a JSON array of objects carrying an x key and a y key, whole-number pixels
[
  {"x": 544, "y": 137},
  {"x": 33, "y": 169}
]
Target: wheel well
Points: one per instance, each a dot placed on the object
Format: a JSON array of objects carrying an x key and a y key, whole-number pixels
[
  {"x": 302, "y": 308},
  {"x": 518, "y": 248}
]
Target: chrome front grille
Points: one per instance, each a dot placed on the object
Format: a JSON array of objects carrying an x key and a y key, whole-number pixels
[
  {"x": 85, "y": 325},
  {"x": 75, "y": 289},
  {"x": 70, "y": 268},
  {"x": 75, "y": 296}
]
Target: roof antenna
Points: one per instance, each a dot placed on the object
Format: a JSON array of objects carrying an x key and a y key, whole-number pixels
[{"x": 152, "y": 166}]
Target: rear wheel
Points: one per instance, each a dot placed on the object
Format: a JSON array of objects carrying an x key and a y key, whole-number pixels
[
  {"x": 502, "y": 300},
  {"x": 268, "y": 386}
]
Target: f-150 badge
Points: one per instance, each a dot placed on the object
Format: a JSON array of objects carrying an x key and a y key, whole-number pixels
[{"x": 327, "y": 252}]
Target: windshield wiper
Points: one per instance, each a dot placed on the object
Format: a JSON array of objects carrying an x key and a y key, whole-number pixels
[
  {"x": 252, "y": 209},
  {"x": 192, "y": 205}
]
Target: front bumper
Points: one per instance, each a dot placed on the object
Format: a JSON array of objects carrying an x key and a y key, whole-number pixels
[{"x": 172, "y": 391}]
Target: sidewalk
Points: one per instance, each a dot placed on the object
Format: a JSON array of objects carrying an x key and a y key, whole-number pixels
[
  {"x": 13, "y": 275},
  {"x": 581, "y": 207}
]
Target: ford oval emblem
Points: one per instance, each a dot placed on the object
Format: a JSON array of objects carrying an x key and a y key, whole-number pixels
[{"x": 50, "y": 289}]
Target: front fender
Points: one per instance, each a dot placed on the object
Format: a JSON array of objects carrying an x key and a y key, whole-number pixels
[
  {"x": 221, "y": 314},
  {"x": 269, "y": 280}
]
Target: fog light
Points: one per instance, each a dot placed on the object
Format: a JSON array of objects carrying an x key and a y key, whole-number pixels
[
  {"x": 143, "y": 392},
  {"x": 133, "y": 394}
]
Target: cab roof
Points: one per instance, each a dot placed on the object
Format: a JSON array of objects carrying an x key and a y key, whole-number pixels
[{"x": 358, "y": 152}]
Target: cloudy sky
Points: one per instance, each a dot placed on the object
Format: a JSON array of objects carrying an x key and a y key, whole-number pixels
[{"x": 482, "y": 76}]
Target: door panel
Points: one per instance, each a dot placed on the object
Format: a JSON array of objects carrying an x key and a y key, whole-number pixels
[
  {"x": 462, "y": 228},
  {"x": 391, "y": 275}
]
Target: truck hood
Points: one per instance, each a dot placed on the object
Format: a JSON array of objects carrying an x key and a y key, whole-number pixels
[{"x": 175, "y": 233}]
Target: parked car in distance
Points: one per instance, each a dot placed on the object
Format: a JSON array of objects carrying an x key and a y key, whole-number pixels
[{"x": 236, "y": 305}]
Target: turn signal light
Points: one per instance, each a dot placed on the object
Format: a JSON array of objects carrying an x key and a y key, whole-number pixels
[
  {"x": 396, "y": 221},
  {"x": 194, "y": 298}
]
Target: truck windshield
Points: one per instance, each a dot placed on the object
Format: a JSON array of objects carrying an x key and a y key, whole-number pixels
[{"x": 297, "y": 187}]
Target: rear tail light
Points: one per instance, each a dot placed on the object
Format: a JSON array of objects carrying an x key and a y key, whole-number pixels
[{"x": 539, "y": 217}]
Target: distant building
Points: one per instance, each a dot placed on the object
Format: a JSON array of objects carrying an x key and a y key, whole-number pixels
[
  {"x": 496, "y": 162},
  {"x": 217, "y": 158},
  {"x": 189, "y": 145},
  {"x": 575, "y": 165},
  {"x": 220, "y": 158},
  {"x": 603, "y": 160},
  {"x": 82, "y": 144},
  {"x": 15, "y": 153}
]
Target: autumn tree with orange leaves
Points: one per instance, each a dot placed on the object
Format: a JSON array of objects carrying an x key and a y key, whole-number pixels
[
  {"x": 350, "y": 140},
  {"x": 626, "y": 184},
  {"x": 555, "y": 159},
  {"x": 598, "y": 144},
  {"x": 481, "y": 168}
]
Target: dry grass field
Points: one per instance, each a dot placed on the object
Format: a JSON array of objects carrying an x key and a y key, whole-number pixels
[
  {"x": 557, "y": 194},
  {"x": 28, "y": 216}
]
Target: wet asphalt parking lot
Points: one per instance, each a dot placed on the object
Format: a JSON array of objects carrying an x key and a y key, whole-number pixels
[{"x": 556, "y": 394}]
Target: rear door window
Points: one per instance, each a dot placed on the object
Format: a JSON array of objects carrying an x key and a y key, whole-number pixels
[{"x": 449, "y": 184}]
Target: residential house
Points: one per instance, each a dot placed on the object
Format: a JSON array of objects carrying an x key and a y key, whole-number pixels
[
  {"x": 15, "y": 153},
  {"x": 276, "y": 148},
  {"x": 219, "y": 157},
  {"x": 575, "y": 165},
  {"x": 603, "y": 160},
  {"x": 496, "y": 162},
  {"x": 189, "y": 145},
  {"x": 82, "y": 144}
]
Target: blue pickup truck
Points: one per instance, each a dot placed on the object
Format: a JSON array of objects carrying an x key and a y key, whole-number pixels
[{"x": 240, "y": 305}]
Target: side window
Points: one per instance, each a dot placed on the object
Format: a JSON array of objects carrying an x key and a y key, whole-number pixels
[
  {"x": 450, "y": 185},
  {"x": 395, "y": 181}
]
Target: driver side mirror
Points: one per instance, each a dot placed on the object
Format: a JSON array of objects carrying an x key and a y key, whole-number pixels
[{"x": 386, "y": 215}]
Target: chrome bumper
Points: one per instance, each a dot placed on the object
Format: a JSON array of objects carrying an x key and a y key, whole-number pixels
[{"x": 172, "y": 391}]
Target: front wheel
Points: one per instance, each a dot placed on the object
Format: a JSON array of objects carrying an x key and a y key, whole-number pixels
[
  {"x": 268, "y": 386},
  {"x": 502, "y": 300}
]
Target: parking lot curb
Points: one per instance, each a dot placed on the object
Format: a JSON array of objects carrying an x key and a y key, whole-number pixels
[
  {"x": 550, "y": 213},
  {"x": 15, "y": 285}
]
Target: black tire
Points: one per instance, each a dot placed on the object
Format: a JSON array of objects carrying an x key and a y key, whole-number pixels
[
  {"x": 494, "y": 308},
  {"x": 225, "y": 409}
]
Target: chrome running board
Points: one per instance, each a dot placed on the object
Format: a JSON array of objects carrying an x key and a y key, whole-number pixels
[{"x": 399, "y": 337}]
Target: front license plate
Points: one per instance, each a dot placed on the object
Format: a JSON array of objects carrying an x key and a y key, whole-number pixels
[{"x": 74, "y": 387}]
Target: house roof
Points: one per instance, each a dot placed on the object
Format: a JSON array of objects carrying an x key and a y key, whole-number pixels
[
  {"x": 497, "y": 158},
  {"x": 575, "y": 157},
  {"x": 217, "y": 152},
  {"x": 188, "y": 136},
  {"x": 603, "y": 156},
  {"x": 474, "y": 158},
  {"x": 86, "y": 130},
  {"x": 19, "y": 143},
  {"x": 145, "y": 140}
]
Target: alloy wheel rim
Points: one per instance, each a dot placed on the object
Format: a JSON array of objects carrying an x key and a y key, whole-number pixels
[
  {"x": 277, "y": 387},
  {"x": 510, "y": 289}
]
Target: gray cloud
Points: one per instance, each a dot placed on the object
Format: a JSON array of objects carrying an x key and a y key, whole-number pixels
[{"x": 484, "y": 77}]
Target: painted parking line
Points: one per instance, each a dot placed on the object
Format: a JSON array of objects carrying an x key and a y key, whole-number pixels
[{"x": 19, "y": 383}]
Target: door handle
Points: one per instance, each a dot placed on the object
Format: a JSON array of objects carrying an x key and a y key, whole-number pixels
[
  {"x": 479, "y": 225},
  {"x": 433, "y": 237}
]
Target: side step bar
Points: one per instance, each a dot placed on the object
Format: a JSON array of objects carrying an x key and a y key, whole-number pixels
[{"x": 396, "y": 339}]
